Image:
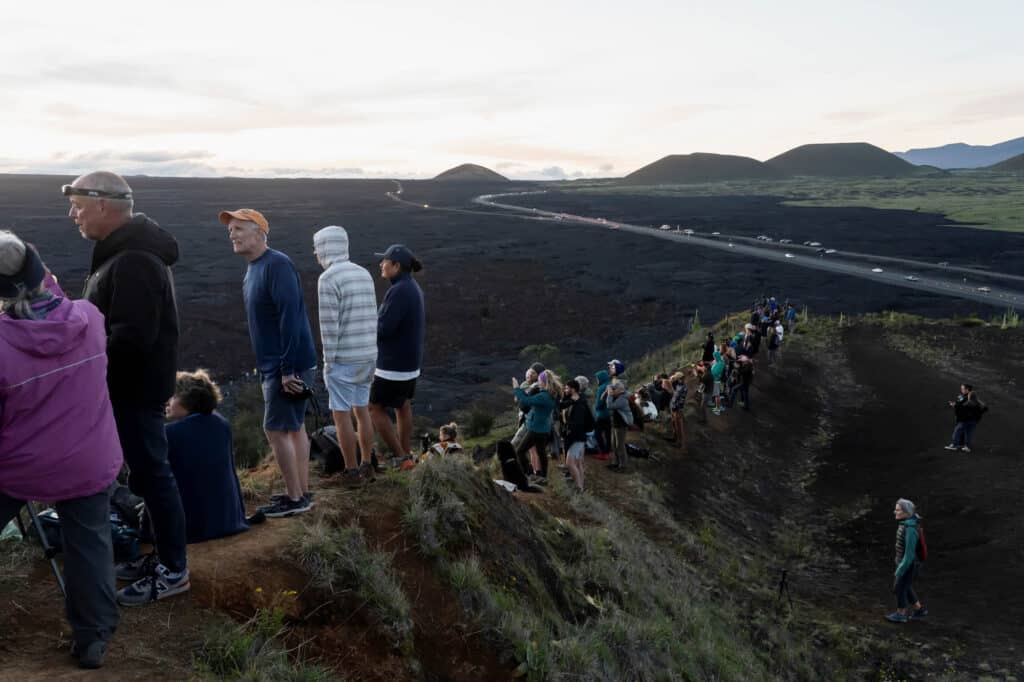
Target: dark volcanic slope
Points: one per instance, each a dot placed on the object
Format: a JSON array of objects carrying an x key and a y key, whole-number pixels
[
  {"x": 843, "y": 159},
  {"x": 1014, "y": 165},
  {"x": 681, "y": 169},
  {"x": 470, "y": 172}
]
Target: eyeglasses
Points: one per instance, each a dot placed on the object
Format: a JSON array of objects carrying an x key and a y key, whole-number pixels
[{"x": 69, "y": 191}]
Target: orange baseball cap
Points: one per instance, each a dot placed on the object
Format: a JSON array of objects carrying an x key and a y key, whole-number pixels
[{"x": 250, "y": 214}]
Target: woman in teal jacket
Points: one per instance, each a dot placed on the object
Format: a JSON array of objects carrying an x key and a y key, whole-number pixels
[
  {"x": 718, "y": 373},
  {"x": 907, "y": 538},
  {"x": 538, "y": 420}
]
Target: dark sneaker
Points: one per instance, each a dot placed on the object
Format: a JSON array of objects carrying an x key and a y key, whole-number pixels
[
  {"x": 161, "y": 584},
  {"x": 917, "y": 614},
  {"x": 277, "y": 497},
  {"x": 91, "y": 655},
  {"x": 137, "y": 568},
  {"x": 539, "y": 480},
  {"x": 896, "y": 617},
  {"x": 352, "y": 478},
  {"x": 366, "y": 471},
  {"x": 286, "y": 507}
]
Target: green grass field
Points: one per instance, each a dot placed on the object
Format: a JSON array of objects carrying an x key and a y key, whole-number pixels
[{"x": 985, "y": 200}]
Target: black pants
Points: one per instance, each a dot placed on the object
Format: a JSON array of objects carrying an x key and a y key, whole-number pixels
[
  {"x": 534, "y": 440},
  {"x": 88, "y": 564},
  {"x": 904, "y": 588},
  {"x": 603, "y": 434},
  {"x": 141, "y": 430}
]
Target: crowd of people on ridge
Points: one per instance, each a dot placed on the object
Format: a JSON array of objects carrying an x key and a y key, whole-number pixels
[{"x": 118, "y": 345}]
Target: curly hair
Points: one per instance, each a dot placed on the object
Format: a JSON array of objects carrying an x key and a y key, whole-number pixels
[{"x": 196, "y": 391}]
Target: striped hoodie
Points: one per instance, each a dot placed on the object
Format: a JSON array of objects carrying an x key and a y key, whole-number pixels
[{"x": 347, "y": 302}]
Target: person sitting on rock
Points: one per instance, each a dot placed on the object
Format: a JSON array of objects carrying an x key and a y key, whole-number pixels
[{"x": 200, "y": 451}]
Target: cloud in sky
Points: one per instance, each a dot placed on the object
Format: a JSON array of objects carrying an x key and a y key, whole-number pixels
[{"x": 407, "y": 89}]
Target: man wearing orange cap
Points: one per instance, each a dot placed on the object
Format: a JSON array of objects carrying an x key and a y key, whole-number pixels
[{"x": 286, "y": 359}]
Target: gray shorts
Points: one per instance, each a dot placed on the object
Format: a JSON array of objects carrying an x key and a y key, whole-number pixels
[
  {"x": 576, "y": 450},
  {"x": 279, "y": 412},
  {"x": 348, "y": 386}
]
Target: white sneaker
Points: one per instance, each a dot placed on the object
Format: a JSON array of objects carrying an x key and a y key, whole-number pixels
[
  {"x": 952, "y": 447},
  {"x": 965, "y": 449}
]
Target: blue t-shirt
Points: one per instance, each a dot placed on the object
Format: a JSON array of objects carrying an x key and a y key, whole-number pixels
[
  {"x": 199, "y": 448},
  {"x": 278, "y": 324}
]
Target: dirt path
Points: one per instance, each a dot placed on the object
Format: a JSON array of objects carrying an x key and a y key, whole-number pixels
[{"x": 891, "y": 447}]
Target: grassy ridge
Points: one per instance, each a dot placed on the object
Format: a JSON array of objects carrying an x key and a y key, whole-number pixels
[{"x": 978, "y": 199}]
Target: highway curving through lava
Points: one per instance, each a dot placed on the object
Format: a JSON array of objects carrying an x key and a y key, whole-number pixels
[{"x": 907, "y": 275}]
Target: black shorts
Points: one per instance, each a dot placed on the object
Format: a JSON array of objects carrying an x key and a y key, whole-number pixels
[{"x": 390, "y": 393}]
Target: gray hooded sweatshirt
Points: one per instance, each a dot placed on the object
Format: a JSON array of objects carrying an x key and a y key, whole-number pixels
[{"x": 347, "y": 302}]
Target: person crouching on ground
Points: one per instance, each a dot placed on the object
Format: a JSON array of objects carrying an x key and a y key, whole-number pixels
[
  {"x": 54, "y": 372},
  {"x": 907, "y": 538},
  {"x": 617, "y": 403},
  {"x": 347, "y": 305},
  {"x": 200, "y": 449},
  {"x": 401, "y": 327},
  {"x": 578, "y": 422},
  {"x": 678, "y": 383},
  {"x": 447, "y": 441},
  {"x": 282, "y": 341},
  {"x": 538, "y": 421}
]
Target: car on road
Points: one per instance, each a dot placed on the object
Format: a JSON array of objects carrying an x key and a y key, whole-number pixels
[
  {"x": 730, "y": 243},
  {"x": 814, "y": 244},
  {"x": 911, "y": 278},
  {"x": 688, "y": 232},
  {"x": 785, "y": 241},
  {"x": 985, "y": 290},
  {"x": 715, "y": 234},
  {"x": 426, "y": 205},
  {"x": 789, "y": 255},
  {"x": 665, "y": 228},
  {"x": 830, "y": 250},
  {"x": 877, "y": 270},
  {"x": 944, "y": 263}
]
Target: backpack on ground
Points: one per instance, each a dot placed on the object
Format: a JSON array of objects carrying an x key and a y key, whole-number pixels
[
  {"x": 921, "y": 551},
  {"x": 634, "y": 450},
  {"x": 324, "y": 445}
]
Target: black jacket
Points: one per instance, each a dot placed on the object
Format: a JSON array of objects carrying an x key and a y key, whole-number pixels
[
  {"x": 709, "y": 351},
  {"x": 579, "y": 420},
  {"x": 130, "y": 282}
]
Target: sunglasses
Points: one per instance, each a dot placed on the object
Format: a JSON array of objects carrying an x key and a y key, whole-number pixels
[{"x": 69, "y": 191}]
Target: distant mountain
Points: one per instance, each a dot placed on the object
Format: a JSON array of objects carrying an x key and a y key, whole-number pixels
[
  {"x": 470, "y": 172},
  {"x": 681, "y": 169},
  {"x": 962, "y": 155},
  {"x": 841, "y": 159},
  {"x": 1013, "y": 165}
]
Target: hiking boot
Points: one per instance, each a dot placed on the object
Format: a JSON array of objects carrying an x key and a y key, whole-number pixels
[
  {"x": 137, "y": 568},
  {"x": 965, "y": 449},
  {"x": 352, "y": 478},
  {"x": 918, "y": 614},
  {"x": 160, "y": 584},
  {"x": 366, "y": 471},
  {"x": 951, "y": 447},
  {"x": 286, "y": 507},
  {"x": 896, "y": 617},
  {"x": 539, "y": 480},
  {"x": 91, "y": 655}
]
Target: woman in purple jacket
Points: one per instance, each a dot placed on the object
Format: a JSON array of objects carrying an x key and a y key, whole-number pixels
[{"x": 58, "y": 441}]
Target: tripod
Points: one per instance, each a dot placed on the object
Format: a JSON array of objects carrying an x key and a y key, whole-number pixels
[{"x": 48, "y": 550}]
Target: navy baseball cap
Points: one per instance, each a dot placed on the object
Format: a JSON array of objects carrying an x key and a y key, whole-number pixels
[
  {"x": 28, "y": 277},
  {"x": 397, "y": 253}
]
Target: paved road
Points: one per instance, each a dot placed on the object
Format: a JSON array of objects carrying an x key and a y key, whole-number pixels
[{"x": 791, "y": 254}]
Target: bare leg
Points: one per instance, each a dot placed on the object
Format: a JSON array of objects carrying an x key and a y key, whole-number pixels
[
  {"x": 346, "y": 436},
  {"x": 386, "y": 429},
  {"x": 364, "y": 422},
  {"x": 281, "y": 443},
  {"x": 403, "y": 417},
  {"x": 300, "y": 441}
]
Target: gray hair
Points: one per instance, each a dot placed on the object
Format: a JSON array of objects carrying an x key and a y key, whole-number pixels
[
  {"x": 12, "y": 257},
  {"x": 583, "y": 382},
  {"x": 906, "y": 505},
  {"x": 107, "y": 181}
]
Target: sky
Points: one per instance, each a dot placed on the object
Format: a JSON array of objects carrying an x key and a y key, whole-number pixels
[{"x": 534, "y": 90}]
